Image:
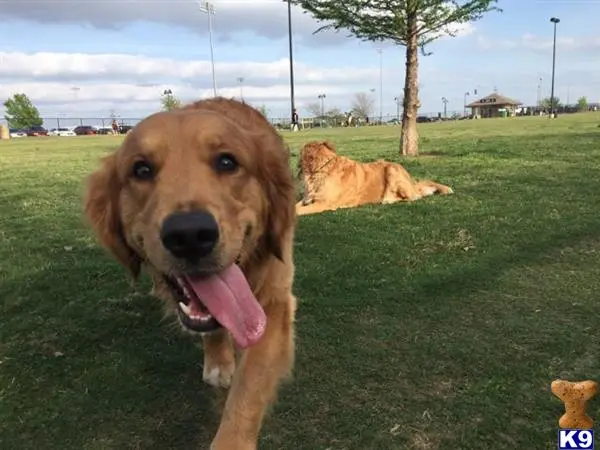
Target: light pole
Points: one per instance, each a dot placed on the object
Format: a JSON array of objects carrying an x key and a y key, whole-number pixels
[
  {"x": 380, "y": 51},
  {"x": 465, "y": 104},
  {"x": 241, "y": 81},
  {"x": 539, "y": 92},
  {"x": 445, "y": 102},
  {"x": 398, "y": 101},
  {"x": 168, "y": 102},
  {"x": 554, "y": 20},
  {"x": 374, "y": 101},
  {"x": 293, "y": 105},
  {"x": 322, "y": 98},
  {"x": 209, "y": 9},
  {"x": 75, "y": 90}
]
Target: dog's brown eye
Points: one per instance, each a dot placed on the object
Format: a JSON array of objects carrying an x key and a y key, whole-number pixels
[
  {"x": 226, "y": 162},
  {"x": 142, "y": 170}
]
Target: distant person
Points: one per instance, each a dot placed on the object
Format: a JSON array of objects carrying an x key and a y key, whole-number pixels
[
  {"x": 294, "y": 120},
  {"x": 115, "y": 127}
]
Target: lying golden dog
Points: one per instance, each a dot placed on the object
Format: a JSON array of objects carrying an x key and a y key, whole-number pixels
[
  {"x": 332, "y": 181},
  {"x": 203, "y": 198}
]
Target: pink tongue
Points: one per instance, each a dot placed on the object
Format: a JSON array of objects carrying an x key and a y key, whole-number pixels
[{"x": 230, "y": 300}]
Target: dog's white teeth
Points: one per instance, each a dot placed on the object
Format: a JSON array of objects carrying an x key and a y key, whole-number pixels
[
  {"x": 198, "y": 317},
  {"x": 186, "y": 292},
  {"x": 185, "y": 308}
]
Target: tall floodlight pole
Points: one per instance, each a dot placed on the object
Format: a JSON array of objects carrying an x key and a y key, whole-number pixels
[
  {"x": 241, "y": 81},
  {"x": 465, "y": 104},
  {"x": 293, "y": 105},
  {"x": 380, "y": 51},
  {"x": 445, "y": 102},
  {"x": 209, "y": 9},
  {"x": 322, "y": 98},
  {"x": 554, "y": 20},
  {"x": 75, "y": 90},
  {"x": 398, "y": 101}
]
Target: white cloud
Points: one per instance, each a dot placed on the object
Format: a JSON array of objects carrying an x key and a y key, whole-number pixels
[
  {"x": 568, "y": 43},
  {"x": 265, "y": 18},
  {"x": 458, "y": 30},
  {"x": 81, "y": 66},
  {"x": 452, "y": 29},
  {"x": 536, "y": 43},
  {"x": 49, "y": 93},
  {"x": 78, "y": 83}
]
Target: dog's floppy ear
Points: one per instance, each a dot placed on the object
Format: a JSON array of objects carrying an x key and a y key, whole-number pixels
[
  {"x": 329, "y": 145},
  {"x": 101, "y": 206},
  {"x": 299, "y": 169},
  {"x": 280, "y": 190}
]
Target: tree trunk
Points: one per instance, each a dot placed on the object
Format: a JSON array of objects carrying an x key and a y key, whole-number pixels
[{"x": 409, "y": 136}]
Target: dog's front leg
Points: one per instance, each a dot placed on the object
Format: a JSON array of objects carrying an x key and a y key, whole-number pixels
[
  {"x": 259, "y": 372},
  {"x": 313, "y": 208},
  {"x": 219, "y": 359}
]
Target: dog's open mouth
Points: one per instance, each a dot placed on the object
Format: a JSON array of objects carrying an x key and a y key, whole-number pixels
[{"x": 225, "y": 299}]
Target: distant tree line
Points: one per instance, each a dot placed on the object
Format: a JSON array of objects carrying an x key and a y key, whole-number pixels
[
  {"x": 21, "y": 113},
  {"x": 548, "y": 103}
]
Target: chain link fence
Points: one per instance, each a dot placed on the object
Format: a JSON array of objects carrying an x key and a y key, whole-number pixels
[{"x": 102, "y": 124}]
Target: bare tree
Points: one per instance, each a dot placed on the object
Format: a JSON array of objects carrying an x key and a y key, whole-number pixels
[
  {"x": 263, "y": 110},
  {"x": 314, "y": 108},
  {"x": 363, "y": 104},
  {"x": 335, "y": 116}
]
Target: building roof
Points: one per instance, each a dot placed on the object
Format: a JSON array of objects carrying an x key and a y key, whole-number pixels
[{"x": 495, "y": 100}]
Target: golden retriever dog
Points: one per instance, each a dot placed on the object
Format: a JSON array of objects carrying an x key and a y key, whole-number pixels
[
  {"x": 332, "y": 181},
  {"x": 203, "y": 199}
]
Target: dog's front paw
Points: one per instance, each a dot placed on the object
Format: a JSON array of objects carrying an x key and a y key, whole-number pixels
[
  {"x": 219, "y": 359},
  {"x": 231, "y": 444},
  {"x": 218, "y": 375}
]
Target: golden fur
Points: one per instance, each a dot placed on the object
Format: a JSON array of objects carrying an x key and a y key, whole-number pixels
[
  {"x": 254, "y": 209},
  {"x": 332, "y": 181}
]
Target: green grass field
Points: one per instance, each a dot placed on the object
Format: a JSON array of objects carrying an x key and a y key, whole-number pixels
[{"x": 433, "y": 325}]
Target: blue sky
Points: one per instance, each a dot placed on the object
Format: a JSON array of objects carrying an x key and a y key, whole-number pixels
[{"x": 88, "y": 58}]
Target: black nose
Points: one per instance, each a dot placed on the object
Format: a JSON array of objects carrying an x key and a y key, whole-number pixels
[{"x": 190, "y": 235}]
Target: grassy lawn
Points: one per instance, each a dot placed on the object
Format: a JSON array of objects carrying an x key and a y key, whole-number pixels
[{"x": 433, "y": 325}]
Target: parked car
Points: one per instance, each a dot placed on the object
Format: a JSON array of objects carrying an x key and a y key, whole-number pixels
[
  {"x": 423, "y": 119},
  {"x": 124, "y": 129},
  {"x": 104, "y": 130},
  {"x": 82, "y": 130},
  {"x": 16, "y": 133},
  {"x": 36, "y": 131},
  {"x": 61, "y": 132}
]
